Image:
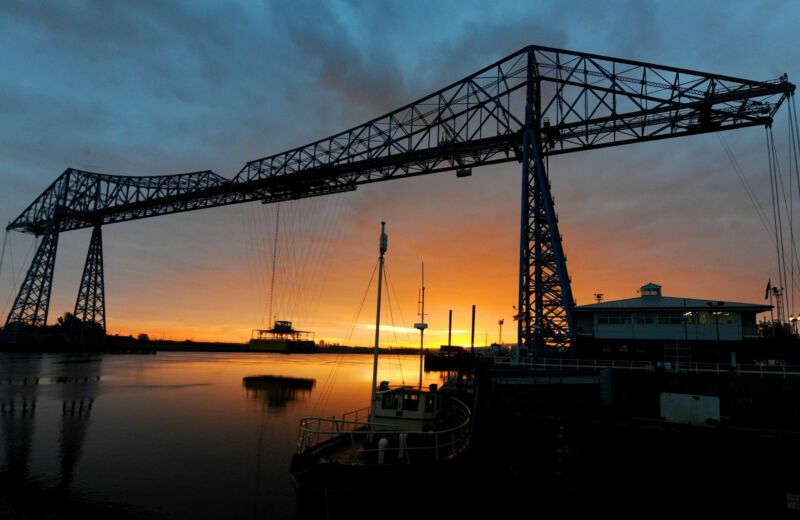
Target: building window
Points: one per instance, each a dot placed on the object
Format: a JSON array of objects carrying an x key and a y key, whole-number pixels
[
  {"x": 690, "y": 317},
  {"x": 606, "y": 348},
  {"x": 703, "y": 317},
  {"x": 724, "y": 318},
  {"x": 623, "y": 348},
  {"x": 640, "y": 349},
  {"x": 614, "y": 318},
  {"x": 389, "y": 401},
  {"x": 670, "y": 318},
  {"x": 645, "y": 318}
]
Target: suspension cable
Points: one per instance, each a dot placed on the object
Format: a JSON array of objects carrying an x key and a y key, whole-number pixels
[
  {"x": 274, "y": 258},
  {"x": 748, "y": 188},
  {"x": 3, "y": 253},
  {"x": 777, "y": 214}
]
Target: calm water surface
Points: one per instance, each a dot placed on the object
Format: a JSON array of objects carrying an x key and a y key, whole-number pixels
[{"x": 166, "y": 436}]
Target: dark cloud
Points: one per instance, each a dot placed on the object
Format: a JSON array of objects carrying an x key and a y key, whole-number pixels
[{"x": 159, "y": 87}]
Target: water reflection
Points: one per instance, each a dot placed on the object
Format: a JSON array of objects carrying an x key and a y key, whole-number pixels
[
  {"x": 189, "y": 435},
  {"x": 19, "y": 385},
  {"x": 277, "y": 391},
  {"x": 78, "y": 382}
]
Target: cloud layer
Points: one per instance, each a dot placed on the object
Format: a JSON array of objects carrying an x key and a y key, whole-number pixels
[{"x": 166, "y": 87}]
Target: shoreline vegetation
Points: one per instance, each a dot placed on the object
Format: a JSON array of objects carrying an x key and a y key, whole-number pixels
[{"x": 145, "y": 345}]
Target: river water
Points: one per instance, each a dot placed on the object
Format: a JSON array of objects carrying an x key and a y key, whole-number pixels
[{"x": 172, "y": 435}]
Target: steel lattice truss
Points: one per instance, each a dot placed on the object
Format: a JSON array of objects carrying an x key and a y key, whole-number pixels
[
  {"x": 33, "y": 301},
  {"x": 572, "y": 101},
  {"x": 90, "y": 307},
  {"x": 585, "y": 101}
]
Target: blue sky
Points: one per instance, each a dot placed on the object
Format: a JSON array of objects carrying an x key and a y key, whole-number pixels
[{"x": 166, "y": 87}]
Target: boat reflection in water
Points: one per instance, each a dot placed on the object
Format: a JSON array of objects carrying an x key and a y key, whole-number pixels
[{"x": 277, "y": 391}]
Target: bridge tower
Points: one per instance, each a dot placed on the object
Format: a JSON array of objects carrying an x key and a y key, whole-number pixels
[
  {"x": 90, "y": 306},
  {"x": 545, "y": 292}
]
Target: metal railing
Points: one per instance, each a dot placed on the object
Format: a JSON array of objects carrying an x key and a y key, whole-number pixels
[
  {"x": 760, "y": 369},
  {"x": 358, "y": 441},
  {"x": 573, "y": 364}
]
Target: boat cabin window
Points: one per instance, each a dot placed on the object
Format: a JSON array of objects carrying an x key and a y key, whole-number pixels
[
  {"x": 389, "y": 401},
  {"x": 411, "y": 402},
  {"x": 430, "y": 403}
]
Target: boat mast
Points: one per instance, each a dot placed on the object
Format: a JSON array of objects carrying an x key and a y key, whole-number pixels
[
  {"x": 422, "y": 325},
  {"x": 384, "y": 242}
]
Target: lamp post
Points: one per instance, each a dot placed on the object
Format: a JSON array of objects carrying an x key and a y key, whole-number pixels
[{"x": 500, "y": 339}]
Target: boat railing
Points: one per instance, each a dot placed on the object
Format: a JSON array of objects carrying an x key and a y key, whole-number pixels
[{"x": 374, "y": 443}]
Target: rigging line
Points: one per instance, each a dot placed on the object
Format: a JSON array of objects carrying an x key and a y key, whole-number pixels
[
  {"x": 15, "y": 274},
  {"x": 394, "y": 326},
  {"x": 328, "y": 387},
  {"x": 274, "y": 258},
  {"x": 791, "y": 210},
  {"x": 793, "y": 128},
  {"x": 747, "y": 186},
  {"x": 390, "y": 284},
  {"x": 794, "y": 158},
  {"x": 779, "y": 178},
  {"x": 776, "y": 213},
  {"x": 361, "y": 305},
  {"x": 3, "y": 253}
]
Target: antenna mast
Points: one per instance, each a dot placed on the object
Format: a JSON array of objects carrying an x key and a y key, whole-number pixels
[
  {"x": 384, "y": 244},
  {"x": 421, "y": 325}
]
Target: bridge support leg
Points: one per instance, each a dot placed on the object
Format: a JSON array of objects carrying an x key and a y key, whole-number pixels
[
  {"x": 545, "y": 299},
  {"x": 90, "y": 306},
  {"x": 33, "y": 300}
]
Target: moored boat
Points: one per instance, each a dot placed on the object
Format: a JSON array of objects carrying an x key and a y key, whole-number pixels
[{"x": 407, "y": 432}]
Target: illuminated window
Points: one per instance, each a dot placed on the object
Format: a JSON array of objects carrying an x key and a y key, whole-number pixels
[
  {"x": 690, "y": 317},
  {"x": 429, "y": 402},
  {"x": 623, "y": 348},
  {"x": 703, "y": 317},
  {"x": 724, "y": 318}
]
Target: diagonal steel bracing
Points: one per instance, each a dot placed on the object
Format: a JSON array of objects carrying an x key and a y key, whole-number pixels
[
  {"x": 532, "y": 104},
  {"x": 33, "y": 300},
  {"x": 90, "y": 307}
]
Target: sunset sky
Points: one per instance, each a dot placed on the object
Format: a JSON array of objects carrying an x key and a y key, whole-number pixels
[{"x": 167, "y": 87}]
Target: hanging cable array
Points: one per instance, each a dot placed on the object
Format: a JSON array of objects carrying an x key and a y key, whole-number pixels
[
  {"x": 777, "y": 217},
  {"x": 326, "y": 388},
  {"x": 270, "y": 316},
  {"x": 781, "y": 230}
]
